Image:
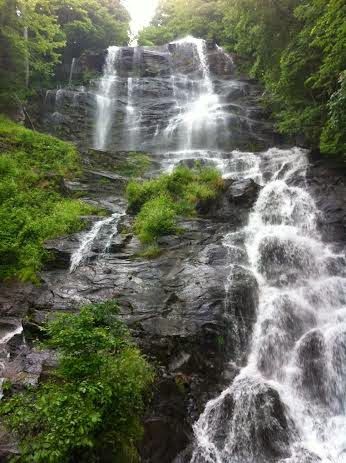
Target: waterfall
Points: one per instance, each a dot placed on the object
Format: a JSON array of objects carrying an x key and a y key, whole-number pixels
[
  {"x": 197, "y": 105},
  {"x": 132, "y": 126},
  {"x": 105, "y": 97},
  {"x": 109, "y": 225},
  {"x": 72, "y": 70},
  {"x": 289, "y": 401},
  {"x": 182, "y": 103},
  {"x": 7, "y": 331}
]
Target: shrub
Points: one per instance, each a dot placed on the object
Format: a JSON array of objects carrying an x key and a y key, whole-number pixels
[
  {"x": 156, "y": 218},
  {"x": 158, "y": 202},
  {"x": 94, "y": 401},
  {"x": 138, "y": 193},
  {"x": 32, "y": 206}
]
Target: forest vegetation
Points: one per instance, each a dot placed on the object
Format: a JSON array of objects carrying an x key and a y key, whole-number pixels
[
  {"x": 33, "y": 203},
  {"x": 94, "y": 398},
  {"x": 296, "y": 48}
]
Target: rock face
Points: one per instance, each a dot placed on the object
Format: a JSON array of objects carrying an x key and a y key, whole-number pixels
[
  {"x": 192, "y": 308},
  {"x": 149, "y": 88}
]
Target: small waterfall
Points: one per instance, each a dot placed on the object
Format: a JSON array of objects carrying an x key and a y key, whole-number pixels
[
  {"x": 197, "y": 105},
  {"x": 91, "y": 236},
  {"x": 7, "y": 332},
  {"x": 288, "y": 404},
  {"x": 132, "y": 126},
  {"x": 105, "y": 96},
  {"x": 72, "y": 70},
  {"x": 133, "y": 117}
]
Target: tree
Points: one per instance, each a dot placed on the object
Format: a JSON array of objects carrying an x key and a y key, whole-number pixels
[
  {"x": 91, "y": 25},
  {"x": 176, "y": 18},
  {"x": 29, "y": 34},
  {"x": 296, "y": 48}
]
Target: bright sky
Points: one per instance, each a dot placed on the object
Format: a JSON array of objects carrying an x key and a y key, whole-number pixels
[{"x": 141, "y": 12}]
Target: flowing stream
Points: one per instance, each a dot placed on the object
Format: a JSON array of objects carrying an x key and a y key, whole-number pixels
[
  {"x": 105, "y": 99},
  {"x": 289, "y": 401}
]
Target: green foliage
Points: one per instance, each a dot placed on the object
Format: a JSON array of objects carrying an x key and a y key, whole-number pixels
[
  {"x": 333, "y": 138},
  {"x": 295, "y": 47},
  {"x": 91, "y": 25},
  {"x": 57, "y": 30},
  {"x": 156, "y": 218},
  {"x": 135, "y": 165},
  {"x": 158, "y": 201},
  {"x": 93, "y": 403},
  {"x": 36, "y": 55},
  {"x": 177, "y": 18},
  {"x": 32, "y": 207},
  {"x": 150, "y": 252}
]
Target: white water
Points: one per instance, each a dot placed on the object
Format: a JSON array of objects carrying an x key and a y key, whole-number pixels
[
  {"x": 133, "y": 116},
  {"x": 197, "y": 105},
  {"x": 299, "y": 340},
  {"x": 4, "y": 339},
  {"x": 105, "y": 98},
  {"x": 89, "y": 238},
  {"x": 72, "y": 70}
]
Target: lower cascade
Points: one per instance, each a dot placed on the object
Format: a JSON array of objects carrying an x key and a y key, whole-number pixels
[
  {"x": 288, "y": 403},
  {"x": 250, "y": 299}
]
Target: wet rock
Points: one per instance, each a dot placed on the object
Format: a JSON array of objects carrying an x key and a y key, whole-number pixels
[
  {"x": 311, "y": 358},
  {"x": 60, "y": 251},
  {"x": 251, "y": 423},
  {"x": 168, "y": 403},
  {"x": 233, "y": 202},
  {"x": 284, "y": 260},
  {"x": 280, "y": 331},
  {"x": 326, "y": 181},
  {"x": 241, "y": 306}
]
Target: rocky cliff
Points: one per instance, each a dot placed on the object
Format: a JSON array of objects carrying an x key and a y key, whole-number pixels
[{"x": 192, "y": 309}]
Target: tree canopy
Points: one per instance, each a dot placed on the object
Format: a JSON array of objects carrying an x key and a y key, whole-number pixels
[
  {"x": 35, "y": 35},
  {"x": 92, "y": 403},
  {"x": 297, "y": 48}
]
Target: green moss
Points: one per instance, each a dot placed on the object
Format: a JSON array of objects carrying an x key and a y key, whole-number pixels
[
  {"x": 135, "y": 165},
  {"x": 159, "y": 201},
  {"x": 32, "y": 206}
]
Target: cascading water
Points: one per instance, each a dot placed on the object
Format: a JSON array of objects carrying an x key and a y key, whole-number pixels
[
  {"x": 89, "y": 238},
  {"x": 288, "y": 404},
  {"x": 182, "y": 103},
  {"x": 133, "y": 114},
  {"x": 197, "y": 105},
  {"x": 105, "y": 97},
  {"x": 72, "y": 71}
]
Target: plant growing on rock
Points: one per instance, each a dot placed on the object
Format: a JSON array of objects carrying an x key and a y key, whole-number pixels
[
  {"x": 159, "y": 201},
  {"x": 93, "y": 403},
  {"x": 33, "y": 204}
]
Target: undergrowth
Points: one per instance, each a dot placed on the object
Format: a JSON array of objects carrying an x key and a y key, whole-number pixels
[
  {"x": 33, "y": 202},
  {"x": 93, "y": 401}
]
